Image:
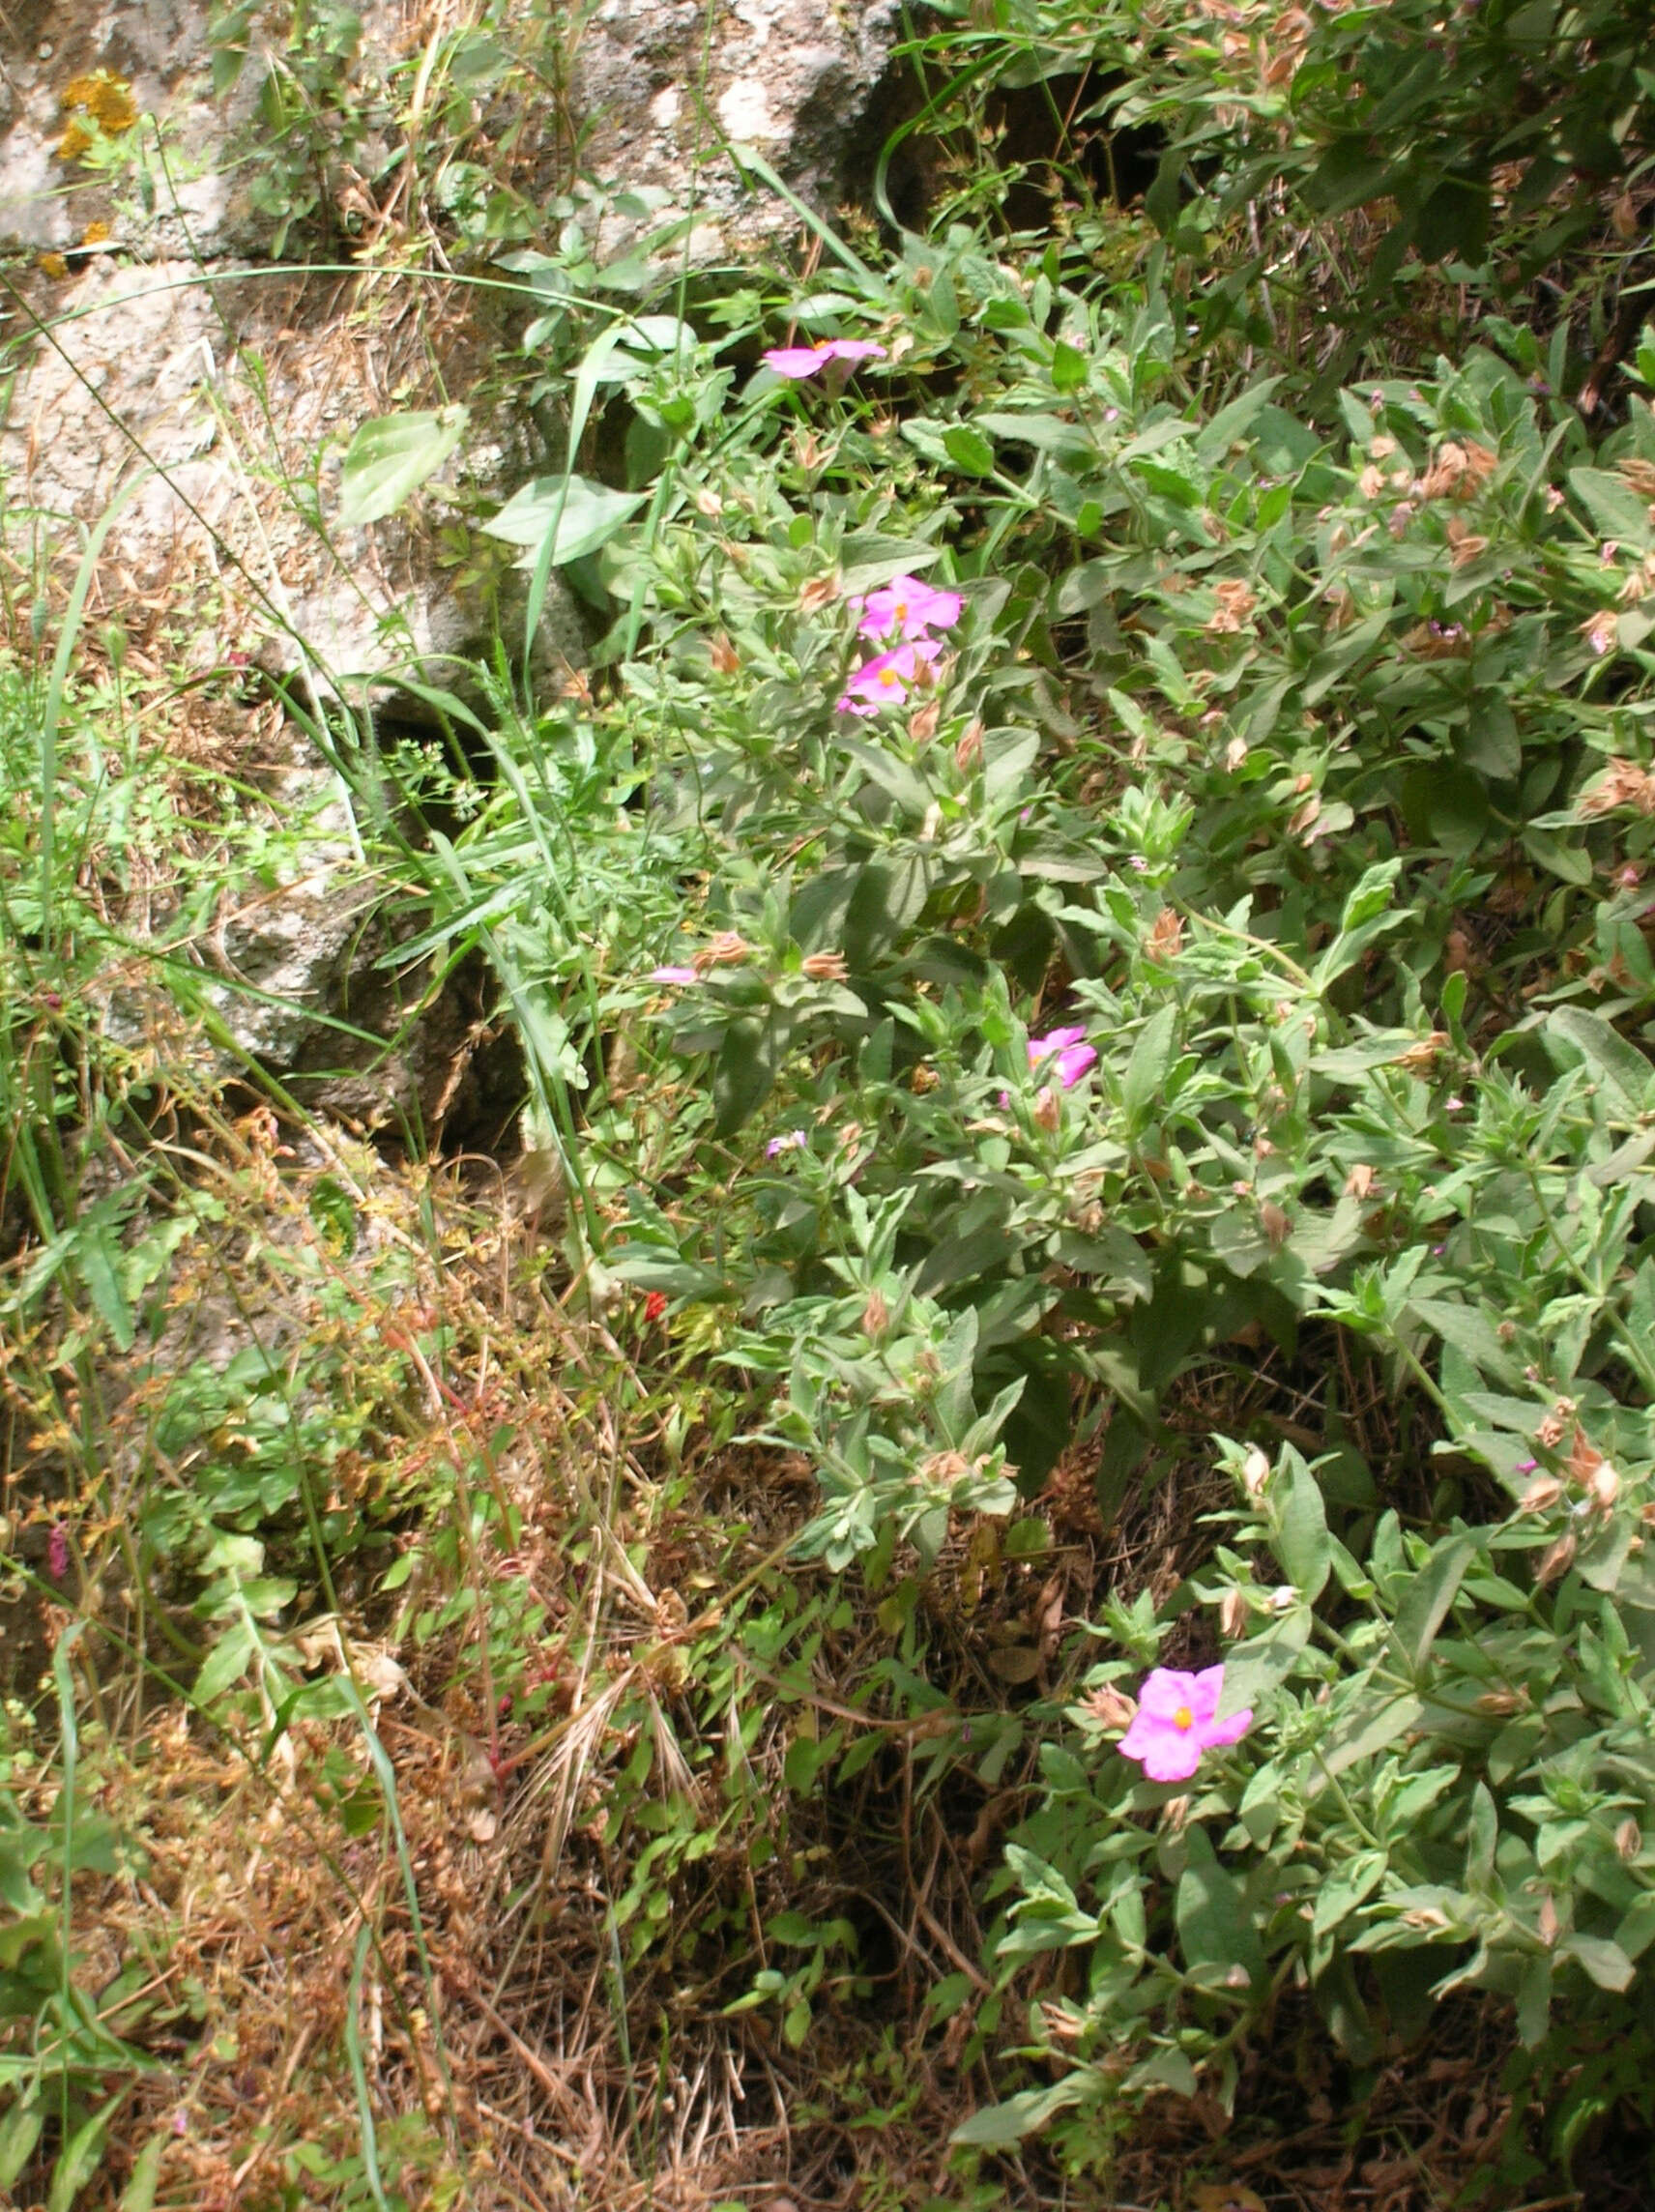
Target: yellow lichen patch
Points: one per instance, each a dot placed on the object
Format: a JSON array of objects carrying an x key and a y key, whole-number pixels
[
  {"x": 94, "y": 234},
  {"x": 102, "y": 98},
  {"x": 53, "y": 265}
]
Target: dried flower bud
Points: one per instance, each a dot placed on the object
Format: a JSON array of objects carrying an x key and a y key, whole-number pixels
[
  {"x": 1360, "y": 1182},
  {"x": 924, "y": 1078},
  {"x": 1498, "y": 1704},
  {"x": 825, "y": 967},
  {"x": 819, "y": 592},
  {"x": 723, "y": 655},
  {"x": 1255, "y": 1472},
  {"x": 1628, "y": 1839},
  {"x": 1603, "y": 1486},
  {"x": 724, "y": 951},
  {"x": 1556, "y": 1559},
  {"x": 708, "y": 501},
  {"x": 1110, "y": 1706},
  {"x": 1545, "y": 1924},
  {"x": 1174, "y": 1813},
  {"x": 1164, "y": 940},
  {"x": 969, "y": 751},
  {"x": 1234, "y": 1613},
  {"x": 876, "y": 1314},
  {"x": 1542, "y": 1494},
  {"x": 922, "y": 726},
  {"x": 945, "y": 1467},
  {"x": 1048, "y": 1111}
]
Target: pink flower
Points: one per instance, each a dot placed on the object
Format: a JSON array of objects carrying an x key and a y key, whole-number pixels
[
  {"x": 795, "y": 1140},
  {"x": 57, "y": 1551},
  {"x": 1069, "y": 1051},
  {"x": 1177, "y": 1720},
  {"x": 884, "y": 681},
  {"x": 806, "y": 361},
  {"x": 909, "y": 607},
  {"x": 673, "y": 976}
]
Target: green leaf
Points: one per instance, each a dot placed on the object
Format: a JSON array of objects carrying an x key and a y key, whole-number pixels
[
  {"x": 1338, "y": 1897},
  {"x": 576, "y": 515},
  {"x": 998, "y": 2125},
  {"x": 139, "y": 2194},
  {"x": 1427, "y": 1598},
  {"x": 1214, "y": 1926},
  {"x": 80, "y": 2157},
  {"x": 1623, "y": 1075},
  {"x": 391, "y": 457},
  {"x": 1605, "y": 1962},
  {"x": 743, "y": 1073},
  {"x": 968, "y": 450},
  {"x": 1302, "y": 1543},
  {"x": 1147, "y": 1069},
  {"x": 1068, "y": 368},
  {"x": 226, "y": 1664},
  {"x": 1257, "y": 1665},
  {"x": 19, "y": 2132}
]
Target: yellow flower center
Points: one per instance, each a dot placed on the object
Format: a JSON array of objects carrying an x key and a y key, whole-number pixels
[
  {"x": 1183, "y": 1718},
  {"x": 888, "y": 676},
  {"x": 902, "y": 610}
]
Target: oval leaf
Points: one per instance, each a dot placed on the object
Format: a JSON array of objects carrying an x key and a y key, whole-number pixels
[
  {"x": 392, "y": 456},
  {"x": 577, "y": 514}
]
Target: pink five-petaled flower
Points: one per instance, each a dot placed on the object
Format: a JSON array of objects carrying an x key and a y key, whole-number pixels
[
  {"x": 1068, "y": 1052},
  {"x": 799, "y": 361},
  {"x": 674, "y": 975},
  {"x": 884, "y": 681},
  {"x": 909, "y": 607},
  {"x": 1177, "y": 1720}
]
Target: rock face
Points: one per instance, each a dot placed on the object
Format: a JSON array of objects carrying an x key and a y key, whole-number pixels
[
  {"x": 665, "y": 99},
  {"x": 193, "y": 402},
  {"x": 152, "y": 57}
]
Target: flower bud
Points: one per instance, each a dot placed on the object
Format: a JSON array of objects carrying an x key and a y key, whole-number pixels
[
  {"x": 876, "y": 1314},
  {"x": 1234, "y": 1613},
  {"x": 825, "y": 967},
  {"x": 1047, "y": 1111},
  {"x": 1628, "y": 1839},
  {"x": 969, "y": 751},
  {"x": 1547, "y": 1923},
  {"x": 1542, "y": 1494},
  {"x": 1283, "y": 1598},
  {"x": 1255, "y": 1472}
]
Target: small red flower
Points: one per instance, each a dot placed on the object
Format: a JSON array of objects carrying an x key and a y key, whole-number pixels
[{"x": 655, "y": 1305}]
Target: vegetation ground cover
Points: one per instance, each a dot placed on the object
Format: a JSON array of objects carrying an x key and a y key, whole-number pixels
[{"x": 1076, "y": 975}]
